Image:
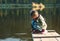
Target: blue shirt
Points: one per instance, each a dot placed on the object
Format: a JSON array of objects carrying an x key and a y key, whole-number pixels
[
  {"x": 39, "y": 23},
  {"x": 36, "y": 25}
]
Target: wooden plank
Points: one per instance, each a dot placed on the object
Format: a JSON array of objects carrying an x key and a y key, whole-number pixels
[
  {"x": 47, "y": 30},
  {"x": 51, "y": 30},
  {"x": 48, "y": 39},
  {"x": 36, "y": 39},
  {"x": 47, "y": 35},
  {"x": 58, "y": 39},
  {"x": 50, "y": 36}
]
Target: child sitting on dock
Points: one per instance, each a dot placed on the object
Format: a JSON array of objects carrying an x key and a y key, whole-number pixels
[{"x": 38, "y": 22}]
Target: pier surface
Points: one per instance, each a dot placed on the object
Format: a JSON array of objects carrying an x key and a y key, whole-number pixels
[{"x": 51, "y": 35}]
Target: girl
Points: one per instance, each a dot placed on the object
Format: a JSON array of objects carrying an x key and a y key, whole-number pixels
[{"x": 38, "y": 22}]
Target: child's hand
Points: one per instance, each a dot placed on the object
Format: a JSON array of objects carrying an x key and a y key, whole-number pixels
[{"x": 44, "y": 31}]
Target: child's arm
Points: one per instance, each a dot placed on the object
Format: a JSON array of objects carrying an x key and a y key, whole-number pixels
[{"x": 44, "y": 25}]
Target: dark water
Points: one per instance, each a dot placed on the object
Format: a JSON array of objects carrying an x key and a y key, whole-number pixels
[{"x": 11, "y": 23}]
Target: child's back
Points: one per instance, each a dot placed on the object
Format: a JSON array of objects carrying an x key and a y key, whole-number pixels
[{"x": 38, "y": 22}]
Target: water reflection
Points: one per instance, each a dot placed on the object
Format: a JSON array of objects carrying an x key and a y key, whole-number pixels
[
  {"x": 12, "y": 39},
  {"x": 15, "y": 37}
]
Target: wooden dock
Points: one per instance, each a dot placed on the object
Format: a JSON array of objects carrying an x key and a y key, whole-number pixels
[{"x": 52, "y": 35}]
